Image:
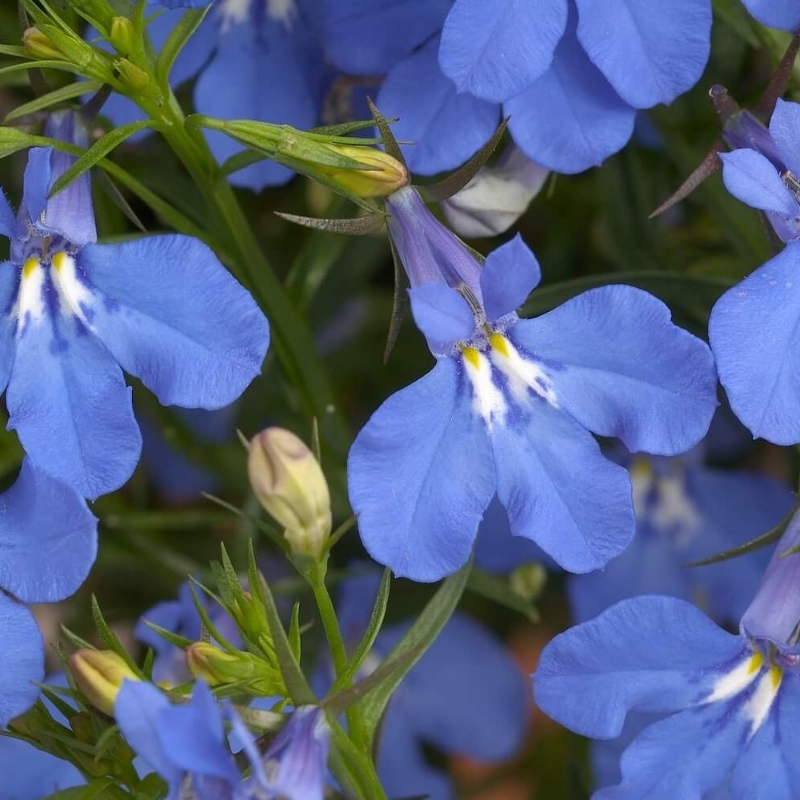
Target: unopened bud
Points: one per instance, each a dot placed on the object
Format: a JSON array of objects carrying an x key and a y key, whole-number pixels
[
  {"x": 383, "y": 176},
  {"x": 123, "y": 36},
  {"x": 219, "y": 668},
  {"x": 135, "y": 77},
  {"x": 40, "y": 45},
  {"x": 528, "y": 580},
  {"x": 290, "y": 485},
  {"x": 99, "y": 675}
]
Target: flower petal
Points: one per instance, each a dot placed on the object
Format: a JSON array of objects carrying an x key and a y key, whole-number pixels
[
  {"x": 438, "y": 696},
  {"x": 138, "y": 710},
  {"x": 8, "y": 222},
  {"x": 419, "y": 500},
  {"x": 29, "y": 772},
  {"x": 753, "y": 333},
  {"x": 622, "y": 368},
  {"x": 497, "y": 551},
  {"x": 496, "y": 50},
  {"x": 172, "y": 315},
  {"x": 784, "y": 130},
  {"x": 685, "y": 755},
  {"x": 650, "y": 52},
  {"x": 368, "y": 37},
  {"x": 752, "y": 178},
  {"x": 446, "y": 127},
  {"x": 23, "y": 659},
  {"x": 9, "y": 284},
  {"x": 48, "y": 538},
  {"x": 441, "y": 313},
  {"x": 510, "y": 274},
  {"x": 648, "y": 653},
  {"x": 782, "y": 14},
  {"x": 763, "y": 769},
  {"x": 560, "y": 491},
  {"x": 571, "y": 118},
  {"x": 250, "y": 57},
  {"x": 68, "y": 402}
]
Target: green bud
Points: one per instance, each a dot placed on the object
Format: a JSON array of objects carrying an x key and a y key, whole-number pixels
[
  {"x": 99, "y": 675},
  {"x": 39, "y": 45},
  {"x": 384, "y": 176},
  {"x": 100, "y": 11},
  {"x": 123, "y": 36},
  {"x": 131, "y": 75},
  {"x": 219, "y": 668},
  {"x": 528, "y": 580},
  {"x": 290, "y": 485}
]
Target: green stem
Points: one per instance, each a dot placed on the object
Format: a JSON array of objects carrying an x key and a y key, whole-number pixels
[
  {"x": 293, "y": 342},
  {"x": 315, "y": 575}
]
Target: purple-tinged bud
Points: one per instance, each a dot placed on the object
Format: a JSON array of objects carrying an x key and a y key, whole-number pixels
[
  {"x": 429, "y": 252},
  {"x": 290, "y": 485},
  {"x": 497, "y": 196},
  {"x": 745, "y": 130},
  {"x": 99, "y": 674},
  {"x": 774, "y": 614}
]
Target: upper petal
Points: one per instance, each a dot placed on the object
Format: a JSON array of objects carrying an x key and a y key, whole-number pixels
[
  {"x": 647, "y": 653},
  {"x": 782, "y": 14},
  {"x": 571, "y": 118},
  {"x": 510, "y": 274},
  {"x": 752, "y": 178},
  {"x": 495, "y": 50},
  {"x": 172, "y": 315},
  {"x": 650, "y": 52},
  {"x": 560, "y": 491},
  {"x": 68, "y": 401},
  {"x": 784, "y": 130},
  {"x": 755, "y": 334},
  {"x": 622, "y": 368},
  {"x": 368, "y": 37},
  {"x": 8, "y": 222},
  {"x": 9, "y": 285},
  {"x": 23, "y": 659},
  {"x": 446, "y": 127},
  {"x": 419, "y": 499},
  {"x": 441, "y": 313},
  {"x": 48, "y": 538}
]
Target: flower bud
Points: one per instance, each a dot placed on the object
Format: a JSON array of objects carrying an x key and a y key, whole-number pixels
[
  {"x": 123, "y": 36},
  {"x": 290, "y": 485},
  {"x": 528, "y": 580},
  {"x": 135, "y": 77},
  {"x": 384, "y": 175},
  {"x": 99, "y": 674},
  {"x": 40, "y": 45},
  {"x": 217, "y": 667}
]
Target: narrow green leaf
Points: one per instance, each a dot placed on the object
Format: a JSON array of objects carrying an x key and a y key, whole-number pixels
[
  {"x": 64, "y": 93},
  {"x": 99, "y": 150},
  {"x": 13, "y": 140},
  {"x": 109, "y": 638},
  {"x": 97, "y": 790},
  {"x": 75, "y": 640},
  {"x": 173, "y": 638},
  {"x": 498, "y": 591},
  {"x": 296, "y": 683},
  {"x": 206, "y": 619},
  {"x": 374, "y": 692},
  {"x": 370, "y": 635},
  {"x": 295, "y": 642},
  {"x": 754, "y": 544},
  {"x": 189, "y": 22}
]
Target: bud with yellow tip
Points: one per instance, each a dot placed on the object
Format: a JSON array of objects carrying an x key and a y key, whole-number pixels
[
  {"x": 383, "y": 174},
  {"x": 99, "y": 674},
  {"x": 290, "y": 485},
  {"x": 218, "y": 668},
  {"x": 40, "y": 45}
]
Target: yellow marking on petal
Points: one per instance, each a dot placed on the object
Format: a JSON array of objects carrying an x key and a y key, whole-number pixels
[
  {"x": 641, "y": 469},
  {"x": 59, "y": 260},
  {"x": 756, "y": 661},
  {"x": 499, "y": 343},
  {"x": 29, "y": 267},
  {"x": 473, "y": 356},
  {"x": 776, "y": 673}
]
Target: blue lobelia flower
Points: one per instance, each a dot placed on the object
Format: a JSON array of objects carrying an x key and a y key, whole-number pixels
[
  {"x": 570, "y": 74},
  {"x": 255, "y": 59},
  {"x": 186, "y": 746},
  {"x": 49, "y": 541},
  {"x": 437, "y": 704},
  {"x": 752, "y": 326},
  {"x": 75, "y": 314},
  {"x": 686, "y": 512},
  {"x": 181, "y": 617},
  {"x": 509, "y": 407},
  {"x": 727, "y": 706},
  {"x": 784, "y": 14}
]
